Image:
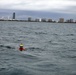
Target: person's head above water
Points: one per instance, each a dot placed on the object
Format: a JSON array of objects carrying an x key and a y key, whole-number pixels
[{"x": 21, "y": 45}]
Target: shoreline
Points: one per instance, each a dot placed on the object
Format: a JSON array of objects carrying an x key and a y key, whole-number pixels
[{"x": 35, "y": 21}]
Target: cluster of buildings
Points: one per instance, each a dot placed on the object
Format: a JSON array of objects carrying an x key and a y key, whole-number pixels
[
  {"x": 30, "y": 19},
  {"x": 61, "y": 20}
]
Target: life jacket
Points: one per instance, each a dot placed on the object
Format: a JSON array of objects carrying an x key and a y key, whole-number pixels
[{"x": 21, "y": 49}]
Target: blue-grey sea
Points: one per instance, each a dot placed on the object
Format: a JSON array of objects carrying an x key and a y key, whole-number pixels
[{"x": 50, "y": 48}]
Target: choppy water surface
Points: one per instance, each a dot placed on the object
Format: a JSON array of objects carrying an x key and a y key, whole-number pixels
[{"x": 51, "y": 48}]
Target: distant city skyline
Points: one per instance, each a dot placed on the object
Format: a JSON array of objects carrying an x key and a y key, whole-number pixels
[
  {"x": 54, "y": 9},
  {"x": 31, "y": 19}
]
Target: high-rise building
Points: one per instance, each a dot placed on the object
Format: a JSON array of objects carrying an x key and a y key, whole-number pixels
[
  {"x": 61, "y": 20},
  {"x": 71, "y": 20},
  {"x": 49, "y": 20},
  {"x": 37, "y": 20},
  {"x": 14, "y": 16},
  {"x": 29, "y": 19},
  {"x": 43, "y": 20}
]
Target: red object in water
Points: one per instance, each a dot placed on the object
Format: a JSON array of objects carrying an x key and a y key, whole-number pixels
[{"x": 21, "y": 49}]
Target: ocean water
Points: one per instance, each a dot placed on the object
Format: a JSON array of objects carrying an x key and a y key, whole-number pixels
[{"x": 50, "y": 48}]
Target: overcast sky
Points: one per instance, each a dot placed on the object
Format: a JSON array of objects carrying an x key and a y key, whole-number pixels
[{"x": 38, "y": 8}]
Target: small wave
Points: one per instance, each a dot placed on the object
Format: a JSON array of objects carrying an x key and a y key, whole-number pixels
[
  {"x": 2, "y": 69},
  {"x": 44, "y": 65},
  {"x": 69, "y": 56},
  {"x": 70, "y": 35},
  {"x": 73, "y": 40},
  {"x": 55, "y": 34},
  {"x": 50, "y": 41},
  {"x": 8, "y": 47},
  {"x": 1, "y": 45},
  {"x": 35, "y": 48},
  {"x": 15, "y": 71},
  {"x": 29, "y": 56},
  {"x": 40, "y": 33},
  {"x": 73, "y": 50},
  {"x": 54, "y": 43}
]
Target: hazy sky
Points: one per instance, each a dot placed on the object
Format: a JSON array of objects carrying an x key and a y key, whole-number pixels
[{"x": 39, "y": 8}]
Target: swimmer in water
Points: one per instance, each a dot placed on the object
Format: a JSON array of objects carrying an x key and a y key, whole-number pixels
[{"x": 21, "y": 48}]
